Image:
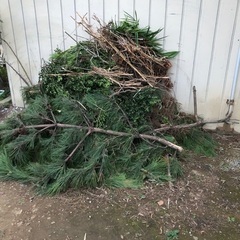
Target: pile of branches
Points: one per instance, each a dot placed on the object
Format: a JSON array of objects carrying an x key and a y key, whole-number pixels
[
  {"x": 102, "y": 114},
  {"x": 138, "y": 55}
]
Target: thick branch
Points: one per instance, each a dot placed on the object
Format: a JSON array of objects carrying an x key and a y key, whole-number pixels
[{"x": 109, "y": 132}]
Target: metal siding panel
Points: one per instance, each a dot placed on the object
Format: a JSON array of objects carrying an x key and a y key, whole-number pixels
[
  {"x": 235, "y": 47},
  {"x": 83, "y": 9},
  {"x": 142, "y": 8},
  {"x": 97, "y": 8},
  {"x": 36, "y": 12},
  {"x": 173, "y": 27},
  {"x": 26, "y": 39},
  {"x": 216, "y": 81},
  {"x": 111, "y": 10},
  {"x": 32, "y": 38},
  {"x": 186, "y": 56},
  {"x": 126, "y": 6},
  {"x": 204, "y": 50},
  {"x": 56, "y": 24},
  {"x": 16, "y": 49},
  {"x": 62, "y": 22},
  {"x": 68, "y": 23},
  {"x": 231, "y": 63},
  {"x": 5, "y": 24},
  {"x": 49, "y": 26},
  {"x": 157, "y": 15}
]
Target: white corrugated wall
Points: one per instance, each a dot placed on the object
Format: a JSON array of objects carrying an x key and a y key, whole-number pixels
[{"x": 206, "y": 32}]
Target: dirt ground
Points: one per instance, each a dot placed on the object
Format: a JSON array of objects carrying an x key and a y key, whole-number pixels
[{"x": 203, "y": 204}]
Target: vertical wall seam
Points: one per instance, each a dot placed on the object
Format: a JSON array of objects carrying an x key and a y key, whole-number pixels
[
  {"x": 195, "y": 53},
  {"x": 75, "y": 16},
  {"x": 104, "y": 14},
  {"x": 179, "y": 44},
  {"x": 89, "y": 12},
  {"x": 49, "y": 26},
  {"x": 26, "y": 39},
  {"x": 62, "y": 22},
  {"x": 229, "y": 58},
  {"x": 165, "y": 24},
  {"x": 118, "y": 17},
  {"x": 134, "y": 7},
  {"x": 149, "y": 12},
  {"x": 9, "y": 72},
  {"x": 212, "y": 52},
  {"x": 38, "y": 39},
  {"x": 14, "y": 40},
  {"x": 230, "y": 49}
]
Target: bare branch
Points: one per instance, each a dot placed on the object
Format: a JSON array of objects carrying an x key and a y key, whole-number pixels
[
  {"x": 191, "y": 125},
  {"x": 30, "y": 82},
  {"x": 108, "y": 132}
]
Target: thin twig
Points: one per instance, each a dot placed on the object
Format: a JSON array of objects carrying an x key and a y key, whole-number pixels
[
  {"x": 169, "y": 173},
  {"x": 86, "y": 119},
  {"x": 42, "y": 130},
  {"x": 46, "y": 118},
  {"x": 51, "y": 112},
  {"x": 78, "y": 145},
  {"x": 19, "y": 63},
  {"x": 125, "y": 115},
  {"x": 71, "y": 37},
  {"x": 17, "y": 73}
]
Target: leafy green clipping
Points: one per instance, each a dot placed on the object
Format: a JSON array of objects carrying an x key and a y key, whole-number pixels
[
  {"x": 66, "y": 74},
  {"x": 144, "y": 36}
]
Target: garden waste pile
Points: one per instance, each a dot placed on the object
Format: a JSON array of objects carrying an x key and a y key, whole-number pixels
[{"x": 102, "y": 114}]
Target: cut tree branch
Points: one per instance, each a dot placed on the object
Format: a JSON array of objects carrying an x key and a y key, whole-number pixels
[{"x": 108, "y": 132}]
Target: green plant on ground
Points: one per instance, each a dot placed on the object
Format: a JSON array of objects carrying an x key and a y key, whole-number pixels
[
  {"x": 231, "y": 219},
  {"x": 172, "y": 234}
]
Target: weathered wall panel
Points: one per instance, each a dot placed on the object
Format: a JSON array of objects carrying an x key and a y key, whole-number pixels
[{"x": 205, "y": 32}]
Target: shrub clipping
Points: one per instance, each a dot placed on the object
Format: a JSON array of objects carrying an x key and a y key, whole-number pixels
[{"x": 102, "y": 114}]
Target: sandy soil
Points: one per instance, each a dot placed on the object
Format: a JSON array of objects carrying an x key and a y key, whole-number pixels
[{"x": 203, "y": 204}]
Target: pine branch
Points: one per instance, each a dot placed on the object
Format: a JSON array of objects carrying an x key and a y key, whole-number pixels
[{"x": 108, "y": 132}]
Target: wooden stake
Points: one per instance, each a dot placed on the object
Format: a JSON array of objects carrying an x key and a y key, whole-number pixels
[{"x": 195, "y": 102}]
